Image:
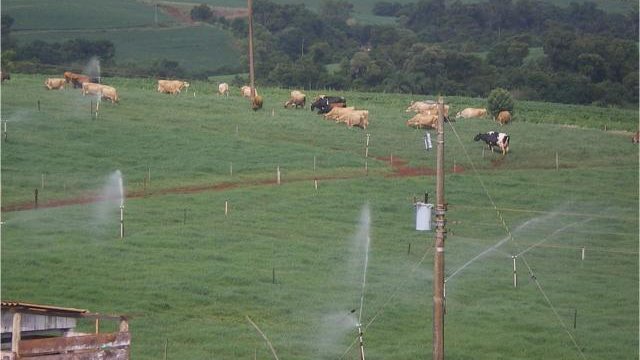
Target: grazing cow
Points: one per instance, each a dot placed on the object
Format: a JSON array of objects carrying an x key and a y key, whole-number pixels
[
  {"x": 245, "y": 91},
  {"x": 471, "y": 113},
  {"x": 54, "y": 83},
  {"x": 636, "y": 138},
  {"x": 359, "y": 118},
  {"x": 110, "y": 93},
  {"x": 423, "y": 121},
  {"x": 172, "y": 87},
  {"x": 68, "y": 76},
  {"x": 91, "y": 89},
  {"x": 4, "y": 76},
  {"x": 324, "y": 103},
  {"x": 494, "y": 138},
  {"x": 503, "y": 117},
  {"x": 296, "y": 99},
  {"x": 256, "y": 104},
  {"x": 223, "y": 89},
  {"x": 80, "y": 80},
  {"x": 77, "y": 79}
]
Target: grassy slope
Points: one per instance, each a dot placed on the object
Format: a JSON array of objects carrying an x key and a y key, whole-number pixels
[
  {"x": 188, "y": 274},
  {"x": 130, "y": 26}
]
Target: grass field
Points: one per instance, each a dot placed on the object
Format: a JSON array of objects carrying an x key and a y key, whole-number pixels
[{"x": 291, "y": 257}]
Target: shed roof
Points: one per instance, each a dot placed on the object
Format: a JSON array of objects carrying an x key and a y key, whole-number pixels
[{"x": 42, "y": 309}]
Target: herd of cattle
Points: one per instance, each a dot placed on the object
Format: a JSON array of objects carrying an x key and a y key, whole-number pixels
[{"x": 331, "y": 107}]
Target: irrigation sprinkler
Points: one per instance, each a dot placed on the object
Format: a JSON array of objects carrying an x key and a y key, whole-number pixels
[
  {"x": 361, "y": 341},
  {"x": 226, "y": 208},
  {"x": 366, "y": 148},
  {"x": 5, "y": 130},
  {"x": 427, "y": 141},
  {"x": 122, "y": 220},
  {"x": 444, "y": 296},
  {"x": 515, "y": 273},
  {"x": 278, "y": 175},
  {"x": 166, "y": 343},
  {"x": 315, "y": 184},
  {"x": 314, "y": 163},
  {"x": 582, "y": 254}
]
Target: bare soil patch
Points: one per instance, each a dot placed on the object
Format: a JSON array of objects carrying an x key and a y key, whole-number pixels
[{"x": 399, "y": 166}]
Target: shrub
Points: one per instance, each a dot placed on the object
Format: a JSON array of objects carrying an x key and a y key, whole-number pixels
[{"x": 499, "y": 100}]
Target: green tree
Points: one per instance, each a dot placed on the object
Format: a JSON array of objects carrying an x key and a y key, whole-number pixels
[
  {"x": 201, "y": 13},
  {"x": 592, "y": 66},
  {"x": 509, "y": 53},
  {"x": 499, "y": 100},
  {"x": 7, "y": 22}
]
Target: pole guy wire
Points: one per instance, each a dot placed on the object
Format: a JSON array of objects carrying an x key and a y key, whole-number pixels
[{"x": 510, "y": 236}]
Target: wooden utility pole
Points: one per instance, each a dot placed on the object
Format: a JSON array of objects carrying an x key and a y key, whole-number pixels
[
  {"x": 438, "y": 261},
  {"x": 251, "y": 73}
]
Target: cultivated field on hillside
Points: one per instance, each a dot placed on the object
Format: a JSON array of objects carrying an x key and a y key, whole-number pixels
[
  {"x": 131, "y": 26},
  {"x": 290, "y": 257}
]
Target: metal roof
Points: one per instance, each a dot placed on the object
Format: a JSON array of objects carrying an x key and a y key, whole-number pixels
[{"x": 36, "y": 308}]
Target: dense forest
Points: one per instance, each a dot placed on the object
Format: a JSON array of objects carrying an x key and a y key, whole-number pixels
[{"x": 583, "y": 55}]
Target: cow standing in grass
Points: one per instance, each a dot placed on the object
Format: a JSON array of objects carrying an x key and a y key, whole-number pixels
[{"x": 494, "y": 138}]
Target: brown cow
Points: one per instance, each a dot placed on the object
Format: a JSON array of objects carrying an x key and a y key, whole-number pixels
[
  {"x": 172, "y": 86},
  {"x": 91, "y": 89},
  {"x": 54, "y": 83},
  {"x": 257, "y": 103},
  {"x": 223, "y": 89},
  {"x": 503, "y": 117},
  {"x": 337, "y": 113},
  {"x": 421, "y": 121},
  {"x": 471, "y": 113},
  {"x": 296, "y": 99},
  {"x": 246, "y": 91},
  {"x": 110, "y": 93},
  {"x": 426, "y": 107}
]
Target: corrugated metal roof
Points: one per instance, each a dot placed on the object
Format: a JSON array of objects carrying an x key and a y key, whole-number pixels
[{"x": 21, "y": 306}]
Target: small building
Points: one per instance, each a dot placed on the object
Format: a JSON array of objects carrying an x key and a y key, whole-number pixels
[{"x": 43, "y": 332}]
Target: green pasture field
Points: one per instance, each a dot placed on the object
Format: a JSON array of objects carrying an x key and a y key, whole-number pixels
[
  {"x": 290, "y": 257},
  {"x": 197, "y": 48},
  {"x": 79, "y": 15}
]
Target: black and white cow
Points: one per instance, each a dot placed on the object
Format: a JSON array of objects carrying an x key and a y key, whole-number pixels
[
  {"x": 494, "y": 138},
  {"x": 324, "y": 104}
]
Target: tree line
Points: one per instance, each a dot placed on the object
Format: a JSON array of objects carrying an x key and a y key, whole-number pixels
[
  {"x": 587, "y": 56},
  {"x": 583, "y": 55}
]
